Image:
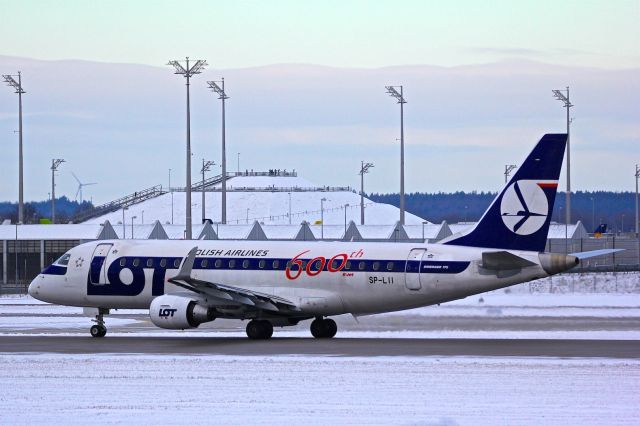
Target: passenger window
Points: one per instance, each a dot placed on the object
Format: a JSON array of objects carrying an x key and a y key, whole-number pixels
[
  {"x": 348, "y": 265},
  {"x": 163, "y": 263},
  {"x": 204, "y": 263},
  {"x": 149, "y": 263},
  {"x": 276, "y": 264},
  {"x": 376, "y": 266},
  {"x": 361, "y": 266},
  {"x": 123, "y": 261},
  {"x": 176, "y": 263},
  {"x": 245, "y": 264},
  {"x": 289, "y": 265},
  {"x": 64, "y": 260},
  {"x": 218, "y": 263},
  {"x": 317, "y": 264},
  {"x": 389, "y": 266},
  {"x": 136, "y": 262},
  {"x": 261, "y": 264},
  {"x": 232, "y": 264}
]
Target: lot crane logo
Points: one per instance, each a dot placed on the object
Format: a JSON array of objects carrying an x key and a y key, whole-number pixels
[{"x": 524, "y": 207}]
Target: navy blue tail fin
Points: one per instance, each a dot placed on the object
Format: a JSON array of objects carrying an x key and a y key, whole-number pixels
[{"x": 519, "y": 217}]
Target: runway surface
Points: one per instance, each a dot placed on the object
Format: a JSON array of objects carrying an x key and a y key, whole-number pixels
[{"x": 361, "y": 347}]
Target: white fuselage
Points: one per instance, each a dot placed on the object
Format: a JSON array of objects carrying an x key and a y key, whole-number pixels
[{"x": 355, "y": 277}]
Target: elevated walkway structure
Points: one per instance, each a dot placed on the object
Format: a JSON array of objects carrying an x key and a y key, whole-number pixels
[
  {"x": 210, "y": 184},
  {"x": 143, "y": 195},
  {"x": 120, "y": 203}
]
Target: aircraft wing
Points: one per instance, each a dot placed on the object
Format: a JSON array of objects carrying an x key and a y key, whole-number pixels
[
  {"x": 503, "y": 260},
  {"x": 229, "y": 294},
  {"x": 593, "y": 253}
]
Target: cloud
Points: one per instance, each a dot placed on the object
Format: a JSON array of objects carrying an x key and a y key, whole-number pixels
[{"x": 127, "y": 132}]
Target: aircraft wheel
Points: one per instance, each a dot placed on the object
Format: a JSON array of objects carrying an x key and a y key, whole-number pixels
[
  {"x": 323, "y": 328},
  {"x": 98, "y": 331},
  {"x": 332, "y": 327},
  {"x": 267, "y": 329},
  {"x": 259, "y": 330}
]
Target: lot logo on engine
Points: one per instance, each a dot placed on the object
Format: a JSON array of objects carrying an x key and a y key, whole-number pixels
[{"x": 166, "y": 312}]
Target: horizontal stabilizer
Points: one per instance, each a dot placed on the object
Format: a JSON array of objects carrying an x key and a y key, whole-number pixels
[
  {"x": 594, "y": 253},
  {"x": 503, "y": 260}
]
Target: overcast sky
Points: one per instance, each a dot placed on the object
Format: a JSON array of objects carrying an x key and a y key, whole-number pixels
[{"x": 478, "y": 78}]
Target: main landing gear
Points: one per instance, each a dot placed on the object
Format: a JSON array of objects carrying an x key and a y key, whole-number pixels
[
  {"x": 259, "y": 329},
  {"x": 323, "y": 328},
  {"x": 99, "y": 329}
]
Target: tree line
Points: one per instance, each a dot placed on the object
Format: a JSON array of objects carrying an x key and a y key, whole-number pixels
[
  {"x": 616, "y": 209},
  {"x": 34, "y": 211}
]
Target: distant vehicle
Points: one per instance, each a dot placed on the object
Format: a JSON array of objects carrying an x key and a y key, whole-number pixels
[
  {"x": 280, "y": 283},
  {"x": 601, "y": 229}
]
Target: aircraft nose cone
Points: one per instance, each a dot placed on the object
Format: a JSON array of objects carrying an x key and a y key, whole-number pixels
[{"x": 34, "y": 287}]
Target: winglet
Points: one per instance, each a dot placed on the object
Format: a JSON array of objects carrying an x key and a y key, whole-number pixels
[{"x": 187, "y": 266}]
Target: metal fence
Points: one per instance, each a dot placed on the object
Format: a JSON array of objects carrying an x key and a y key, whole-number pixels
[
  {"x": 22, "y": 260},
  {"x": 626, "y": 260}
]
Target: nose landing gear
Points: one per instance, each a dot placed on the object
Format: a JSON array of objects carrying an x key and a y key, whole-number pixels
[
  {"x": 323, "y": 328},
  {"x": 99, "y": 329}
]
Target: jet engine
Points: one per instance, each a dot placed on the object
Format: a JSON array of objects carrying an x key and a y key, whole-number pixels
[
  {"x": 554, "y": 263},
  {"x": 179, "y": 312}
]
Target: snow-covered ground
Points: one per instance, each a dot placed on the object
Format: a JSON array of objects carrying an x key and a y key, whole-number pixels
[
  {"x": 264, "y": 206},
  {"x": 47, "y": 388},
  {"x": 132, "y": 389}
]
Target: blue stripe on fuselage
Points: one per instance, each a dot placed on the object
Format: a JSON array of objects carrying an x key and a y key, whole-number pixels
[{"x": 280, "y": 264}]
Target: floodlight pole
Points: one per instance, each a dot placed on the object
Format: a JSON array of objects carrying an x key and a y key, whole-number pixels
[
  {"x": 364, "y": 168},
  {"x": 124, "y": 235},
  {"x": 345, "y": 218},
  {"x": 18, "y": 86},
  {"x": 567, "y": 104},
  {"x": 205, "y": 168},
  {"x": 171, "y": 196},
  {"x": 222, "y": 95},
  {"x": 188, "y": 72},
  {"x": 322, "y": 200},
  {"x": 132, "y": 217},
  {"x": 508, "y": 168},
  {"x": 391, "y": 90},
  {"x": 54, "y": 167},
  {"x": 637, "y": 218}
]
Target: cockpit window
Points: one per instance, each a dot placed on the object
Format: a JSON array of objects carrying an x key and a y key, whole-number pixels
[{"x": 64, "y": 260}]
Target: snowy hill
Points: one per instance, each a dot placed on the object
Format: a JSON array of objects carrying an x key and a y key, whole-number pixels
[{"x": 267, "y": 199}]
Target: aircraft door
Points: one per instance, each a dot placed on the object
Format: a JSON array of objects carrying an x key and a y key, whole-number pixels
[
  {"x": 98, "y": 269},
  {"x": 412, "y": 269}
]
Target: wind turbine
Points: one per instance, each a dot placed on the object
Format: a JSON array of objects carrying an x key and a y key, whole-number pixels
[{"x": 80, "y": 185}]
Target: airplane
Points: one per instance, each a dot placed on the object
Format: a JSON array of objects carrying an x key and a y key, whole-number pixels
[{"x": 185, "y": 283}]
